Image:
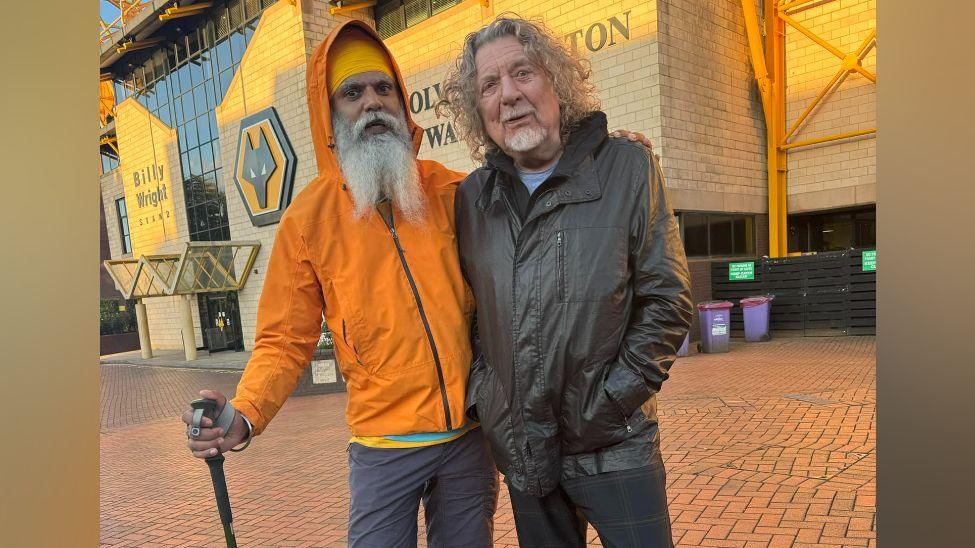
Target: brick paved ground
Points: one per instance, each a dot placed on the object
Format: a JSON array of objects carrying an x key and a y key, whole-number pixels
[{"x": 770, "y": 445}]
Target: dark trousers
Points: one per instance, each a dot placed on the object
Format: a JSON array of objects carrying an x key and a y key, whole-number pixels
[
  {"x": 456, "y": 481},
  {"x": 627, "y": 508}
]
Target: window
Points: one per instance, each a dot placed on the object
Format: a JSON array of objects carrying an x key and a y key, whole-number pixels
[
  {"x": 109, "y": 160},
  {"x": 717, "y": 234},
  {"x": 833, "y": 230},
  {"x": 181, "y": 83},
  {"x": 123, "y": 225},
  {"x": 695, "y": 230},
  {"x": 393, "y": 16}
]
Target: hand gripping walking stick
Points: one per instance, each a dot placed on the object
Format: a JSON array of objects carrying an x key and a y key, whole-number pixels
[{"x": 208, "y": 408}]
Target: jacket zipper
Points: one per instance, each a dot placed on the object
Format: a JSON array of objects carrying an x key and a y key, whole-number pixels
[
  {"x": 561, "y": 266},
  {"x": 426, "y": 326},
  {"x": 520, "y": 467},
  {"x": 626, "y": 421}
]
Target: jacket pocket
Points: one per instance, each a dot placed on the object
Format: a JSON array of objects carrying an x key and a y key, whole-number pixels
[
  {"x": 492, "y": 408},
  {"x": 346, "y": 340},
  {"x": 626, "y": 388},
  {"x": 591, "y": 264},
  {"x": 591, "y": 418}
]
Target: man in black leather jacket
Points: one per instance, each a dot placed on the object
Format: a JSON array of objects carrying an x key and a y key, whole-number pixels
[{"x": 574, "y": 257}]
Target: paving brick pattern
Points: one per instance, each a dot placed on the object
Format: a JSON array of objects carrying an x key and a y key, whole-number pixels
[
  {"x": 770, "y": 445},
  {"x": 132, "y": 394}
]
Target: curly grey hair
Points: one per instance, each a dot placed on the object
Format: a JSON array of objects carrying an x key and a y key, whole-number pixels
[{"x": 569, "y": 74}]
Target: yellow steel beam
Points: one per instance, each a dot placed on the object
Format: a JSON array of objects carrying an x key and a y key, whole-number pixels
[
  {"x": 866, "y": 73},
  {"x": 836, "y": 137},
  {"x": 769, "y": 69},
  {"x": 805, "y": 4},
  {"x": 758, "y": 57},
  {"x": 351, "y": 7},
  {"x": 770, "y": 74},
  {"x": 133, "y": 45},
  {"x": 851, "y": 63},
  {"x": 813, "y": 36},
  {"x": 777, "y": 159},
  {"x": 833, "y": 84},
  {"x": 176, "y": 12},
  {"x": 867, "y": 44},
  {"x": 862, "y": 52},
  {"x": 112, "y": 143}
]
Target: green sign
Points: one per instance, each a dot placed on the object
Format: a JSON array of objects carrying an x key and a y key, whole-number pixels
[
  {"x": 741, "y": 271},
  {"x": 870, "y": 260}
]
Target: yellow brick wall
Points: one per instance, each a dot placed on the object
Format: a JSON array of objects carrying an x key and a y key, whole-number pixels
[
  {"x": 624, "y": 67},
  {"x": 150, "y": 170},
  {"x": 271, "y": 73},
  {"x": 318, "y": 22},
  {"x": 145, "y": 141},
  {"x": 676, "y": 70},
  {"x": 712, "y": 144},
  {"x": 834, "y": 174}
]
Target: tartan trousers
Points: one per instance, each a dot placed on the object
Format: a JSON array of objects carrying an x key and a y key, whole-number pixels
[{"x": 628, "y": 509}]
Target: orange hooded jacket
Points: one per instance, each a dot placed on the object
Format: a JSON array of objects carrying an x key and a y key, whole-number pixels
[{"x": 402, "y": 377}]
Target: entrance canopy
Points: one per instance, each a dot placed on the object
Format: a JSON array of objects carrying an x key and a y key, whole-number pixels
[{"x": 202, "y": 267}]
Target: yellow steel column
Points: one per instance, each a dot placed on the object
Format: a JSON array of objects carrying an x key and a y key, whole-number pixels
[
  {"x": 142, "y": 322},
  {"x": 777, "y": 159},
  {"x": 754, "y": 37},
  {"x": 770, "y": 74}
]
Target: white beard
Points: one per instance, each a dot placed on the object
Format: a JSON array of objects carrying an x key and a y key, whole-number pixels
[
  {"x": 379, "y": 165},
  {"x": 525, "y": 139}
]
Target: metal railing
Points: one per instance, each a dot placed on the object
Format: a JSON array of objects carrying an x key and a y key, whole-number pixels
[{"x": 128, "y": 10}]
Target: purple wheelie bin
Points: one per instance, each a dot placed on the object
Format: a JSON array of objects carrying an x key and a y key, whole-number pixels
[
  {"x": 757, "y": 311},
  {"x": 715, "y": 326}
]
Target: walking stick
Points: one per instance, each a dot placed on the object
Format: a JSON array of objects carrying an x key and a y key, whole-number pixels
[{"x": 208, "y": 407}]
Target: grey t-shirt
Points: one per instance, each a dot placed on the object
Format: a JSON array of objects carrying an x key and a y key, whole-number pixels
[
  {"x": 533, "y": 179},
  {"x": 530, "y": 182}
]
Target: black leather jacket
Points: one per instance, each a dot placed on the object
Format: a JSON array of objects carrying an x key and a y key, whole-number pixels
[{"x": 580, "y": 309}]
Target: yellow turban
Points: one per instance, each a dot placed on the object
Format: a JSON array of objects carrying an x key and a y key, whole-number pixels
[{"x": 354, "y": 52}]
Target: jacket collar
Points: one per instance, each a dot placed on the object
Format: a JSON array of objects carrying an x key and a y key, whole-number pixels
[{"x": 575, "y": 167}]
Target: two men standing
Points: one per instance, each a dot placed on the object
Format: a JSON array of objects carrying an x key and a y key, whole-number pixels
[{"x": 577, "y": 270}]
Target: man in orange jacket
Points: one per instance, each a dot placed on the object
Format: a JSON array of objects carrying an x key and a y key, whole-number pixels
[{"x": 371, "y": 243}]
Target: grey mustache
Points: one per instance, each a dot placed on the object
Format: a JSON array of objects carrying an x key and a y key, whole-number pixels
[
  {"x": 381, "y": 117},
  {"x": 512, "y": 115}
]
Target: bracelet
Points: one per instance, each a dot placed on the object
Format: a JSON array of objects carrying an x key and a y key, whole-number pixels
[{"x": 250, "y": 435}]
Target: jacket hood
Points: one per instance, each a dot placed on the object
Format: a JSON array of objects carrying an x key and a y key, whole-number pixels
[
  {"x": 587, "y": 135},
  {"x": 319, "y": 110}
]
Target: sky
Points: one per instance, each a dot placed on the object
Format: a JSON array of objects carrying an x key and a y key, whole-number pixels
[{"x": 108, "y": 11}]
